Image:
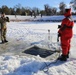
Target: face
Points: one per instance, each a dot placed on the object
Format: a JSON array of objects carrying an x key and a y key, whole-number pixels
[
  {"x": 67, "y": 10},
  {"x": 3, "y": 15}
]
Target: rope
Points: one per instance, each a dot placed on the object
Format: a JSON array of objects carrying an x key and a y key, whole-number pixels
[{"x": 46, "y": 67}]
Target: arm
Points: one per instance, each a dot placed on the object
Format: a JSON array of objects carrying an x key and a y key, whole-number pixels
[
  {"x": 0, "y": 20},
  {"x": 63, "y": 27},
  {"x": 7, "y": 19}
]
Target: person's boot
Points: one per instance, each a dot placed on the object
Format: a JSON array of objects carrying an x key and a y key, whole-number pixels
[
  {"x": 5, "y": 41},
  {"x": 63, "y": 58},
  {"x": 68, "y": 55},
  {"x": 2, "y": 41}
]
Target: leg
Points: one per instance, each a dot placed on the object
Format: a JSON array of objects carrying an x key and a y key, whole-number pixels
[
  {"x": 64, "y": 45},
  {"x": 5, "y": 31},
  {"x": 69, "y": 45},
  {"x": 68, "y": 48},
  {"x": 2, "y": 37},
  {"x": 4, "y": 34}
]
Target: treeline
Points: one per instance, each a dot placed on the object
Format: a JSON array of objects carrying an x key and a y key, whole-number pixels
[
  {"x": 48, "y": 10},
  {"x": 18, "y": 10}
]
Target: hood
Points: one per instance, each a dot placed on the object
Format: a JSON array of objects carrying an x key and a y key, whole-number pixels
[{"x": 68, "y": 12}]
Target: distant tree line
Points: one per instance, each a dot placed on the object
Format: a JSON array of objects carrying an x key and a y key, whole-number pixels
[{"x": 48, "y": 10}]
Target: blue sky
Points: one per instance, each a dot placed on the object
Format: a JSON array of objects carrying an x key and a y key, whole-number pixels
[{"x": 33, "y": 3}]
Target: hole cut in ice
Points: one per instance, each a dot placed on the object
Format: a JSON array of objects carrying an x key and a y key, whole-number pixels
[{"x": 35, "y": 50}]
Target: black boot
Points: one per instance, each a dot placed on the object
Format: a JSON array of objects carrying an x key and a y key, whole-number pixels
[
  {"x": 5, "y": 41},
  {"x": 2, "y": 41},
  {"x": 63, "y": 58},
  {"x": 68, "y": 55}
]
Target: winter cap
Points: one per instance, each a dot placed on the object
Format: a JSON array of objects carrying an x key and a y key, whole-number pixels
[{"x": 2, "y": 13}]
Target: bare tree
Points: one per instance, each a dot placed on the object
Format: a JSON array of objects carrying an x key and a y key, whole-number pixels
[
  {"x": 73, "y": 2},
  {"x": 17, "y": 9},
  {"x": 42, "y": 12},
  {"x": 35, "y": 11},
  {"x": 47, "y": 9},
  {"x": 50, "y": 10},
  {"x": 53, "y": 11},
  {"x": 62, "y": 6}
]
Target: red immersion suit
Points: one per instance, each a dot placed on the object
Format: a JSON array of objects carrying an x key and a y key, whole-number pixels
[{"x": 66, "y": 32}]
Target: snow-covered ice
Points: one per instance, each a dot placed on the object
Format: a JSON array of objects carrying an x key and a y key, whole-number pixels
[
  {"x": 23, "y": 65},
  {"x": 24, "y": 34}
]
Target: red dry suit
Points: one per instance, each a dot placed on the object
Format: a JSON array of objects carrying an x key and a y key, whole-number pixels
[{"x": 66, "y": 32}]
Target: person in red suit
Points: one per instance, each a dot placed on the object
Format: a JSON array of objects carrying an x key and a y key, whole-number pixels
[{"x": 65, "y": 33}]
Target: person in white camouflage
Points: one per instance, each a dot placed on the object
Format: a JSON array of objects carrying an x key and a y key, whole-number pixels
[{"x": 3, "y": 29}]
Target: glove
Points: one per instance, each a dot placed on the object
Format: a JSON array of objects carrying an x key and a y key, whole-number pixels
[
  {"x": 59, "y": 34},
  {"x": 58, "y": 37},
  {"x": 7, "y": 19}
]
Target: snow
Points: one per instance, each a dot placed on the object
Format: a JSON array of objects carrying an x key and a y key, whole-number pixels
[
  {"x": 23, "y": 65},
  {"x": 22, "y": 35},
  {"x": 43, "y": 18}
]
